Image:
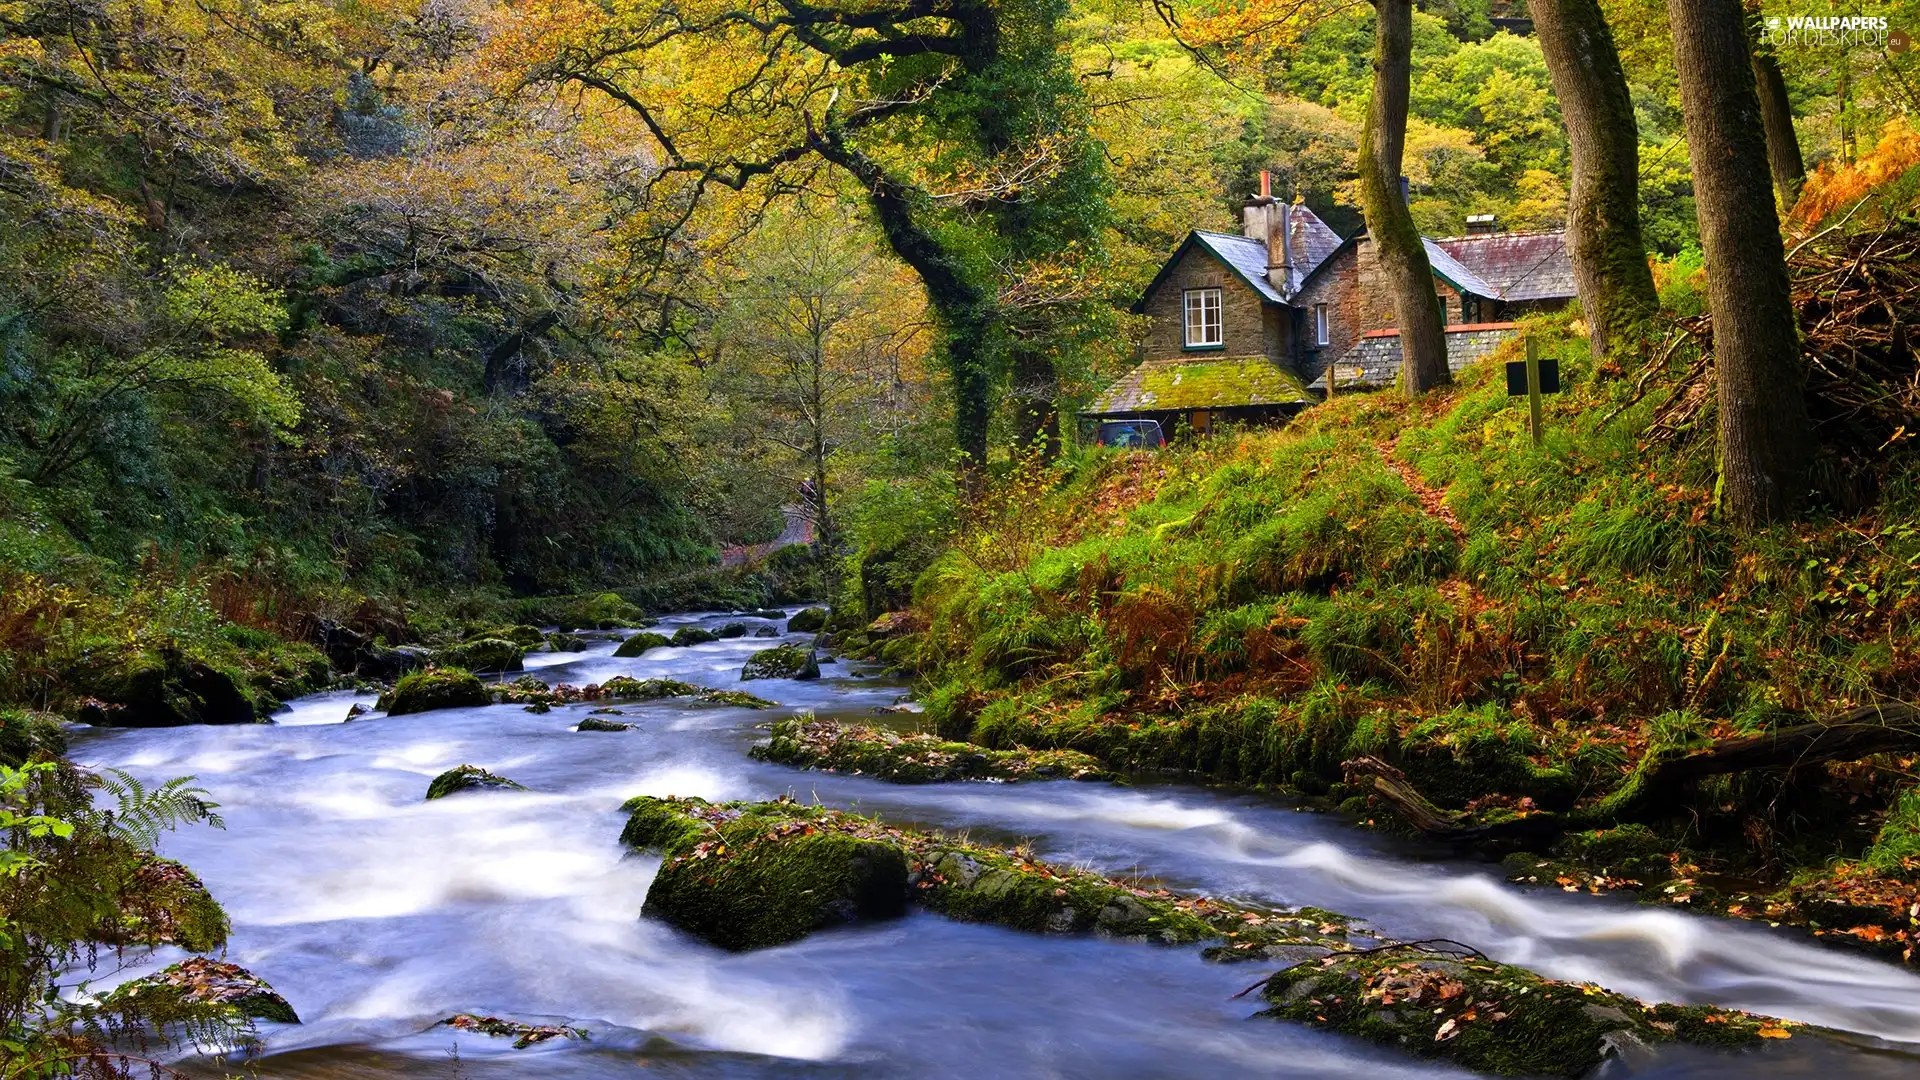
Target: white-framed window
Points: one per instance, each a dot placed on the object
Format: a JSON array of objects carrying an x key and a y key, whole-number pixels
[
  {"x": 1322, "y": 330},
  {"x": 1203, "y": 318}
]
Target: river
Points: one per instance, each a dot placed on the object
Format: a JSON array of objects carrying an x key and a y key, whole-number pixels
[{"x": 377, "y": 914}]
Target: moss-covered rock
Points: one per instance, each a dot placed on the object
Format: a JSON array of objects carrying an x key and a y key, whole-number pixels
[
  {"x": 482, "y": 654},
  {"x": 163, "y": 688},
  {"x": 201, "y": 981},
  {"x": 692, "y": 635},
  {"x": 731, "y": 630},
  {"x": 807, "y": 620},
  {"x": 1433, "y": 1001},
  {"x": 468, "y": 778},
  {"x": 764, "y": 878},
  {"x": 914, "y": 759},
  {"x": 640, "y": 643},
  {"x": 438, "y": 688},
  {"x": 162, "y": 903},
  {"x": 566, "y": 643},
  {"x": 594, "y": 723},
  {"x": 746, "y": 875},
  {"x": 782, "y": 662},
  {"x": 527, "y": 637},
  {"x": 522, "y": 1034},
  {"x": 622, "y": 688}
]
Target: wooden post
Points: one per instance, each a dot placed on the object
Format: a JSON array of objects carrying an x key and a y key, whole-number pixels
[{"x": 1533, "y": 388}]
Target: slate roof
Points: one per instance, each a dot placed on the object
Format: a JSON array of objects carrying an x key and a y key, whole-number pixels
[
  {"x": 1457, "y": 275},
  {"x": 1313, "y": 242},
  {"x": 1522, "y": 266},
  {"x": 1201, "y": 384}
]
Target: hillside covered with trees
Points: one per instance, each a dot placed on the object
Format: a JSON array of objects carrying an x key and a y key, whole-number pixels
[{"x": 381, "y": 354}]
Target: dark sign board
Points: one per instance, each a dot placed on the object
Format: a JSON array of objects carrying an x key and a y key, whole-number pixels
[{"x": 1517, "y": 377}]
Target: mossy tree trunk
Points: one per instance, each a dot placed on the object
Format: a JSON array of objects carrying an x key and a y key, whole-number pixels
[
  {"x": 1603, "y": 212},
  {"x": 1776, "y": 112},
  {"x": 1396, "y": 240},
  {"x": 1765, "y": 436}
]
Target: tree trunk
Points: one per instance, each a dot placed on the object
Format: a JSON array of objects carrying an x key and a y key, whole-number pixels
[
  {"x": 1603, "y": 212},
  {"x": 1765, "y": 437},
  {"x": 1396, "y": 241},
  {"x": 1776, "y": 112},
  {"x": 1035, "y": 388}
]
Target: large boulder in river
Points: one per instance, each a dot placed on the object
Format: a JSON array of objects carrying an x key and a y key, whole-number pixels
[
  {"x": 156, "y": 902},
  {"x": 1440, "y": 1000},
  {"x": 693, "y": 635},
  {"x": 163, "y": 688},
  {"x": 482, "y": 654},
  {"x": 527, "y": 637},
  {"x": 807, "y": 620},
  {"x": 639, "y": 643},
  {"x": 200, "y": 981},
  {"x": 731, "y": 630},
  {"x": 761, "y": 877},
  {"x": 468, "y": 778},
  {"x": 782, "y": 662},
  {"x": 438, "y": 688},
  {"x": 914, "y": 758},
  {"x": 388, "y": 664}
]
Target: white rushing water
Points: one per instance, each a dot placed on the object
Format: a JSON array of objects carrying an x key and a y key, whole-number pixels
[{"x": 378, "y": 914}]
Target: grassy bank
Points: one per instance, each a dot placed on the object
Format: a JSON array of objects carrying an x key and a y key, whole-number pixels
[{"x": 1516, "y": 629}]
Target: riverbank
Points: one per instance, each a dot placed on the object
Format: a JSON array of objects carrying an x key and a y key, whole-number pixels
[{"x": 1555, "y": 650}]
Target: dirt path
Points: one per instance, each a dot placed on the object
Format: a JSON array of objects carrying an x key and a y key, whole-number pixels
[{"x": 1432, "y": 499}]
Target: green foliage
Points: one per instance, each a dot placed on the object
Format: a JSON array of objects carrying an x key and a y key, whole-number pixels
[{"x": 1896, "y": 851}]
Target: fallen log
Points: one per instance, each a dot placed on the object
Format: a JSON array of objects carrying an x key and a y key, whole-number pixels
[{"x": 1659, "y": 783}]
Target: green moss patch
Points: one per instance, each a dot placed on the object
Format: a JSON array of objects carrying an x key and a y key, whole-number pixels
[
  {"x": 807, "y": 620},
  {"x": 594, "y": 723},
  {"x": 164, "y": 903},
  {"x": 1460, "y": 1007},
  {"x": 783, "y": 662},
  {"x": 692, "y": 635},
  {"x": 639, "y": 643},
  {"x": 621, "y": 688},
  {"x": 437, "y": 688},
  {"x": 914, "y": 759},
  {"x": 200, "y": 981},
  {"x": 468, "y": 778},
  {"x": 482, "y": 654}
]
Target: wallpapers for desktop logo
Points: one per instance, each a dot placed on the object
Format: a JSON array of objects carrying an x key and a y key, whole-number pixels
[{"x": 1834, "y": 32}]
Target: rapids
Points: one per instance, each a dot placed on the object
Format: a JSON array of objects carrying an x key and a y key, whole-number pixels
[{"x": 378, "y": 914}]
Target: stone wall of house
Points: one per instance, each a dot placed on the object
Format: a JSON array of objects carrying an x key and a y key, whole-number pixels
[
  {"x": 1359, "y": 300},
  {"x": 1375, "y": 360},
  {"x": 1243, "y": 320}
]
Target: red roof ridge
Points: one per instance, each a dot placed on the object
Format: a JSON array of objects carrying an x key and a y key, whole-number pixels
[{"x": 1455, "y": 328}]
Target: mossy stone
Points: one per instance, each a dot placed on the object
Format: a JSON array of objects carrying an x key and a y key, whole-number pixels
[
  {"x": 639, "y": 643},
  {"x": 165, "y": 688},
  {"x": 438, "y": 688},
  {"x": 807, "y": 620},
  {"x": 483, "y": 654},
  {"x": 782, "y": 662},
  {"x": 766, "y": 632},
  {"x": 29, "y": 736},
  {"x": 468, "y": 778},
  {"x": 692, "y": 635},
  {"x": 594, "y": 723},
  {"x": 201, "y": 981},
  {"x": 566, "y": 643},
  {"x": 527, "y": 637},
  {"x": 731, "y": 630},
  {"x": 163, "y": 903}
]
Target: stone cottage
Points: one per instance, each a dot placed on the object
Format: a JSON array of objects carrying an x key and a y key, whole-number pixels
[{"x": 1247, "y": 327}]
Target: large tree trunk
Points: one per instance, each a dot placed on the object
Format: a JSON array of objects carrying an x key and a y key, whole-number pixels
[
  {"x": 1603, "y": 213},
  {"x": 1765, "y": 437},
  {"x": 1776, "y": 112},
  {"x": 1396, "y": 241}
]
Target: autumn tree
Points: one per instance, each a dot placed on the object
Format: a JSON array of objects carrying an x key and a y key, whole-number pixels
[
  {"x": 817, "y": 350},
  {"x": 1603, "y": 211},
  {"x": 1765, "y": 437},
  {"x": 961, "y": 125},
  {"x": 1396, "y": 239}
]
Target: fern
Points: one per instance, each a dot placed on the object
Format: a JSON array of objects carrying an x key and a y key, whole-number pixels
[{"x": 141, "y": 814}]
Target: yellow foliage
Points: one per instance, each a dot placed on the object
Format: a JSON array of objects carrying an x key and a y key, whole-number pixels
[{"x": 1833, "y": 187}]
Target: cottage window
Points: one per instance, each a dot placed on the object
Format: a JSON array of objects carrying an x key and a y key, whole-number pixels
[
  {"x": 1322, "y": 331},
  {"x": 1203, "y": 318}
]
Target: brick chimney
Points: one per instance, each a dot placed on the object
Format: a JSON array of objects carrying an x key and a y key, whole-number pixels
[{"x": 1257, "y": 215}]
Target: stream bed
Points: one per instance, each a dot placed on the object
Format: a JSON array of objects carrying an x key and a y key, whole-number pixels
[{"x": 377, "y": 914}]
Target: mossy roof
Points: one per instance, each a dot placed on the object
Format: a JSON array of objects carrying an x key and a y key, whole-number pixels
[{"x": 1213, "y": 383}]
